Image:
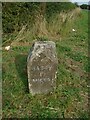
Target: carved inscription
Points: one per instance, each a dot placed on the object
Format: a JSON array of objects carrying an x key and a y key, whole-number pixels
[
  {"x": 41, "y": 68},
  {"x": 41, "y": 80},
  {"x": 41, "y": 73}
]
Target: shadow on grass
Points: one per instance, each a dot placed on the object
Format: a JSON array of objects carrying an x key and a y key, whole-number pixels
[{"x": 21, "y": 66}]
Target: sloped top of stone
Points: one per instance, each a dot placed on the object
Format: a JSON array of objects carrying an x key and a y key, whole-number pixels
[{"x": 46, "y": 48}]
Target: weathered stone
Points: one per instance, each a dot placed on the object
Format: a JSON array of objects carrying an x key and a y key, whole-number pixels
[{"x": 42, "y": 67}]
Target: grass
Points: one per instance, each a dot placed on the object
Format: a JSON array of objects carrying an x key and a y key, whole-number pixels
[{"x": 69, "y": 99}]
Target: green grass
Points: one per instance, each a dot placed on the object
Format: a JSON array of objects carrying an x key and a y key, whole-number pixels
[{"x": 69, "y": 99}]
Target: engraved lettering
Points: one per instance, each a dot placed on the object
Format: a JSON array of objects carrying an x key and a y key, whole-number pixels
[
  {"x": 41, "y": 80},
  {"x": 41, "y": 68}
]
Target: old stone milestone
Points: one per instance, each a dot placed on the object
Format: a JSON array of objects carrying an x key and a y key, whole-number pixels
[{"x": 42, "y": 67}]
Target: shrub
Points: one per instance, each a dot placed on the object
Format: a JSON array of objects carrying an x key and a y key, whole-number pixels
[{"x": 15, "y": 15}]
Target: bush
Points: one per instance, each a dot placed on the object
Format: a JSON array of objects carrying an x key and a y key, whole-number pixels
[
  {"x": 84, "y": 6},
  {"x": 15, "y": 15}
]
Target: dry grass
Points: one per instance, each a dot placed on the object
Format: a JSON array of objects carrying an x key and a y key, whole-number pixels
[{"x": 59, "y": 26}]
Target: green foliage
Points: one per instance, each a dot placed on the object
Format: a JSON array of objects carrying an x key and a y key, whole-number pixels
[
  {"x": 52, "y": 9},
  {"x": 76, "y": 4},
  {"x": 15, "y": 15},
  {"x": 84, "y": 6}
]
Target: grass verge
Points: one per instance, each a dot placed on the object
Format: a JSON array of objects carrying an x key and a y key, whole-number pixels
[{"x": 69, "y": 99}]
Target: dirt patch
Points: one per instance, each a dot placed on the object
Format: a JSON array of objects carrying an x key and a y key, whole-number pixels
[{"x": 73, "y": 66}]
